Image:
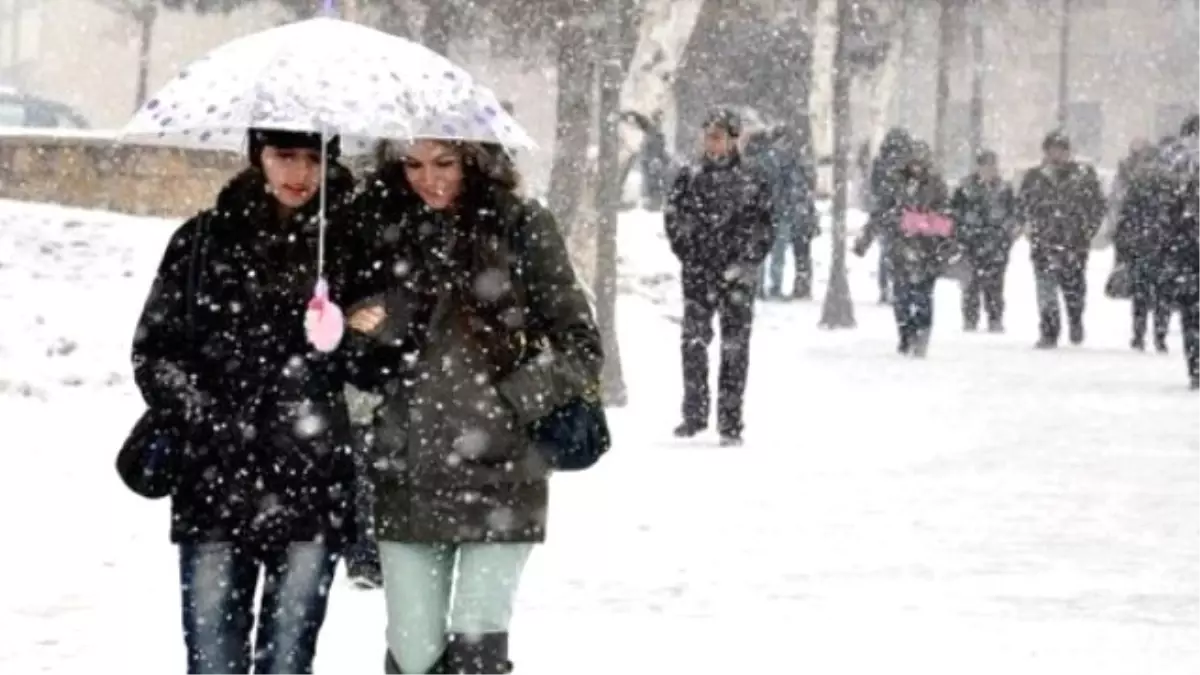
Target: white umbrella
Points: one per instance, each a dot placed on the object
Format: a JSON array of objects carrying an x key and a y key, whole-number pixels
[{"x": 322, "y": 75}]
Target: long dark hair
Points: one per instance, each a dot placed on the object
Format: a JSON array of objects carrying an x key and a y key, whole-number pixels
[{"x": 470, "y": 246}]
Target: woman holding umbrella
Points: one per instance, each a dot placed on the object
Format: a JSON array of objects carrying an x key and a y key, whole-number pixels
[
  {"x": 486, "y": 330},
  {"x": 262, "y": 480}
]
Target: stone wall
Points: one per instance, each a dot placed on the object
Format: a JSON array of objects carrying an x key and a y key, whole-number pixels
[{"x": 89, "y": 170}]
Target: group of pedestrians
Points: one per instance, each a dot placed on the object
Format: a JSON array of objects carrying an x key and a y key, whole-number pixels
[
  {"x": 743, "y": 202},
  {"x": 466, "y": 323}
]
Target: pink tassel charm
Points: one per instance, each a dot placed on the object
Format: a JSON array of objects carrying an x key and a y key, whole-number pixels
[{"x": 324, "y": 322}]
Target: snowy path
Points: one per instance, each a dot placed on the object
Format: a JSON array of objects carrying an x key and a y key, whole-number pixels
[{"x": 991, "y": 510}]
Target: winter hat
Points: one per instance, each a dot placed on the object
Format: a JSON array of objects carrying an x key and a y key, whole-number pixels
[
  {"x": 1056, "y": 139},
  {"x": 290, "y": 140},
  {"x": 725, "y": 118}
]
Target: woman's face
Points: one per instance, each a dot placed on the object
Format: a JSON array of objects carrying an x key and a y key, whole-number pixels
[
  {"x": 435, "y": 172},
  {"x": 293, "y": 174}
]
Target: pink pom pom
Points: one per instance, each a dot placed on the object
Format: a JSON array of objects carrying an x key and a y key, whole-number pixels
[{"x": 324, "y": 322}]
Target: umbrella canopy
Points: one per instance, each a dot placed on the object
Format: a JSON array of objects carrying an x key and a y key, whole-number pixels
[{"x": 327, "y": 76}]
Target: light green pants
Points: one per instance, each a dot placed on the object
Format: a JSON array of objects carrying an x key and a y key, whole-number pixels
[{"x": 435, "y": 589}]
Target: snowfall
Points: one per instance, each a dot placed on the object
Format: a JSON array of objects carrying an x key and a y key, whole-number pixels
[{"x": 991, "y": 509}]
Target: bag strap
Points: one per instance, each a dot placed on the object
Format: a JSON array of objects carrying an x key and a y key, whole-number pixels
[{"x": 195, "y": 270}]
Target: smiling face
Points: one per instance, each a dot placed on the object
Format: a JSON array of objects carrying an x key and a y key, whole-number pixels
[
  {"x": 293, "y": 174},
  {"x": 435, "y": 172}
]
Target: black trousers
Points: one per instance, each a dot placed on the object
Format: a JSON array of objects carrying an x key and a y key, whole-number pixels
[
  {"x": 1189, "y": 316},
  {"x": 988, "y": 267},
  {"x": 1147, "y": 299},
  {"x": 1058, "y": 273},
  {"x": 912, "y": 298},
  {"x": 707, "y": 294}
]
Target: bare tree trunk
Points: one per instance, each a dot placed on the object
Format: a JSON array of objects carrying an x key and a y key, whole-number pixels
[
  {"x": 572, "y": 124},
  {"x": 608, "y": 198},
  {"x": 1064, "y": 67},
  {"x": 145, "y": 16},
  {"x": 885, "y": 78},
  {"x": 820, "y": 97},
  {"x": 978, "y": 67},
  {"x": 838, "y": 309},
  {"x": 942, "y": 102},
  {"x": 666, "y": 27}
]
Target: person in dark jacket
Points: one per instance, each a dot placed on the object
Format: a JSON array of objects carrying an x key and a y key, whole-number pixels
[
  {"x": 916, "y": 259},
  {"x": 718, "y": 223},
  {"x": 1142, "y": 222},
  {"x": 480, "y": 329},
  {"x": 982, "y": 207},
  {"x": 654, "y": 157},
  {"x": 1180, "y": 275},
  {"x": 264, "y": 480},
  {"x": 1061, "y": 206},
  {"x": 884, "y": 180},
  {"x": 793, "y": 207}
]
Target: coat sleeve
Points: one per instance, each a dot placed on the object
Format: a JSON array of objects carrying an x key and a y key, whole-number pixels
[
  {"x": 568, "y": 364},
  {"x": 675, "y": 216},
  {"x": 1025, "y": 198},
  {"x": 164, "y": 365},
  {"x": 1094, "y": 203},
  {"x": 760, "y": 220}
]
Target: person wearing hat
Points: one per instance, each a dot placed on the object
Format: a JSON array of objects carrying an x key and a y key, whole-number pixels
[
  {"x": 261, "y": 477},
  {"x": 718, "y": 223},
  {"x": 1061, "y": 206},
  {"x": 982, "y": 208}
]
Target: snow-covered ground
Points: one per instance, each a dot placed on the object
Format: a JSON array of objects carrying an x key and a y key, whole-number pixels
[{"x": 993, "y": 509}]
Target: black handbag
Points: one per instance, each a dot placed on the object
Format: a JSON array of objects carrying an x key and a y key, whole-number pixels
[{"x": 148, "y": 461}]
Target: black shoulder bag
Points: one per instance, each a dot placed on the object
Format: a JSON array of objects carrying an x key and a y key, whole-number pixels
[{"x": 148, "y": 460}]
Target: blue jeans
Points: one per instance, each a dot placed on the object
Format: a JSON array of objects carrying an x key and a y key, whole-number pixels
[
  {"x": 219, "y": 581},
  {"x": 772, "y": 272}
]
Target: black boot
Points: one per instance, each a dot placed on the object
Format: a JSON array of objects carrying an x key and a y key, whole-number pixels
[
  {"x": 485, "y": 654},
  {"x": 1160, "y": 344},
  {"x": 1076, "y": 332},
  {"x": 688, "y": 429},
  {"x": 390, "y": 667},
  {"x": 365, "y": 575}
]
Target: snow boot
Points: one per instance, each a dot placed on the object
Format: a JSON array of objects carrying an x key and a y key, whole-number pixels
[
  {"x": 731, "y": 440},
  {"x": 920, "y": 345},
  {"x": 365, "y": 576},
  {"x": 995, "y": 326},
  {"x": 485, "y": 654},
  {"x": 689, "y": 429},
  {"x": 1076, "y": 333},
  {"x": 1138, "y": 343}
]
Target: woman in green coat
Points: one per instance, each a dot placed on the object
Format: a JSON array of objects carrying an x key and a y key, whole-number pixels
[{"x": 480, "y": 328}]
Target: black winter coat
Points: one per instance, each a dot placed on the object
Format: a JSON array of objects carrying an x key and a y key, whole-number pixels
[
  {"x": 916, "y": 256},
  {"x": 1145, "y": 213},
  {"x": 983, "y": 216},
  {"x": 259, "y": 416},
  {"x": 718, "y": 215},
  {"x": 1062, "y": 207}
]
